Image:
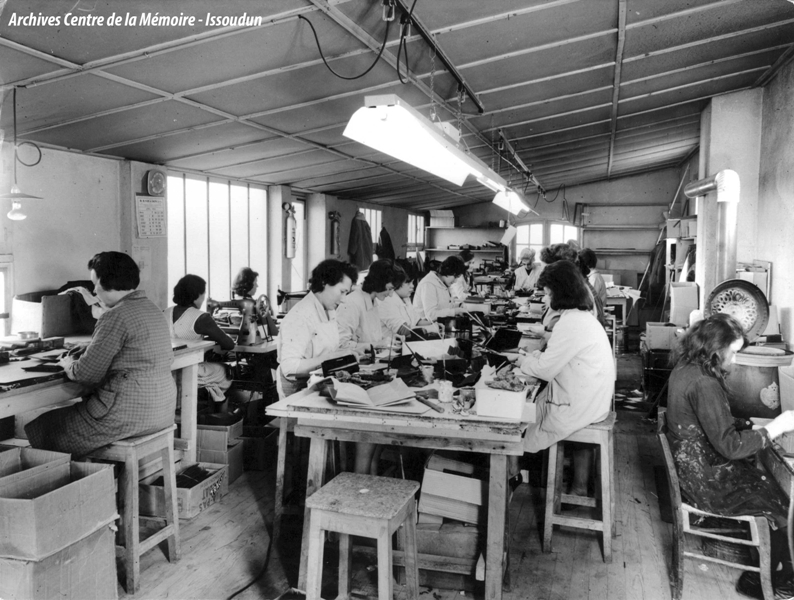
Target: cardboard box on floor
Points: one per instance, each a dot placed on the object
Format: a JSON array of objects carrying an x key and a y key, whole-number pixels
[
  {"x": 683, "y": 300},
  {"x": 218, "y": 437},
  {"x": 54, "y": 508},
  {"x": 232, "y": 457},
  {"x": 85, "y": 569},
  {"x": 660, "y": 336},
  {"x": 17, "y": 463},
  {"x": 190, "y": 501},
  {"x": 451, "y": 489}
]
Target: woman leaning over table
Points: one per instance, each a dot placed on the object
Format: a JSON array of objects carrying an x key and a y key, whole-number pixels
[
  {"x": 186, "y": 321},
  {"x": 432, "y": 299},
  {"x": 308, "y": 335},
  {"x": 360, "y": 328},
  {"x": 358, "y": 318},
  {"x": 578, "y": 366},
  {"x": 397, "y": 313},
  {"x": 127, "y": 366},
  {"x": 713, "y": 451}
]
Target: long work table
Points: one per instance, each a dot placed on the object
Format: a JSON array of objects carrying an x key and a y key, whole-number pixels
[
  {"x": 44, "y": 390},
  {"x": 323, "y": 423}
]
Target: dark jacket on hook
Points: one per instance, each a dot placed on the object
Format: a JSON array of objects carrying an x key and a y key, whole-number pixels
[
  {"x": 385, "y": 249},
  {"x": 360, "y": 245}
]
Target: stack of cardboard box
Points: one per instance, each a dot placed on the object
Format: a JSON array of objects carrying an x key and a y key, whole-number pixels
[
  {"x": 222, "y": 445},
  {"x": 57, "y": 523}
]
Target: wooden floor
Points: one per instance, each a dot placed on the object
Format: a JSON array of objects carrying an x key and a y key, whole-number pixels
[{"x": 224, "y": 548}]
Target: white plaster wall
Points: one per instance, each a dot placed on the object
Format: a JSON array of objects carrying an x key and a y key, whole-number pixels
[
  {"x": 775, "y": 220},
  {"x": 78, "y": 217},
  {"x": 736, "y": 144}
]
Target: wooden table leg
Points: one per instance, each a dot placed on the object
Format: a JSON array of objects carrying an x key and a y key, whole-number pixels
[
  {"x": 318, "y": 453},
  {"x": 188, "y": 377},
  {"x": 497, "y": 512}
]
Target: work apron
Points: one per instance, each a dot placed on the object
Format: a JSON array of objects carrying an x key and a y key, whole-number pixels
[{"x": 325, "y": 339}]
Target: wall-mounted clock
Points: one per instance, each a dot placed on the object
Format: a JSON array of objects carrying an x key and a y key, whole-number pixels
[{"x": 155, "y": 182}]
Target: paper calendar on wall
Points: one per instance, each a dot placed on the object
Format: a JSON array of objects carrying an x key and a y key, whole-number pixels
[{"x": 150, "y": 212}]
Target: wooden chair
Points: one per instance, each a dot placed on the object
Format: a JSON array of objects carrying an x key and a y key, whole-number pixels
[
  {"x": 682, "y": 525},
  {"x": 130, "y": 452},
  {"x": 367, "y": 506},
  {"x": 602, "y": 435}
]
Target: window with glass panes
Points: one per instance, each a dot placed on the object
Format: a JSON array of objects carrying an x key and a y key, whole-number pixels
[
  {"x": 544, "y": 233},
  {"x": 373, "y": 217},
  {"x": 416, "y": 234},
  {"x": 529, "y": 236},
  {"x": 215, "y": 227},
  {"x": 561, "y": 232}
]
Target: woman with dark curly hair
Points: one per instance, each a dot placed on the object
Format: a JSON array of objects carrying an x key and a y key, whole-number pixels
[
  {"x": 309, "y": 334},
  {"x": 711, "y": 448},
  {"x": 358, "y": 318},
  {"x": 245, "y": 283},
  {"x": 126, "y": 368},
  {"x": 578, "y": 366}
]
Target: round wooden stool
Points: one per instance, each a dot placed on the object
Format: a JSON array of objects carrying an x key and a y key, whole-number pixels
[
  {"x": 600, "y": 434},
  {"x": 367, "y": 506},
  {"x": 130, "y": 451}
]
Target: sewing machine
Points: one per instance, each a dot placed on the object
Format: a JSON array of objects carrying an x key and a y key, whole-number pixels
[{"x": 244, "y": 316}]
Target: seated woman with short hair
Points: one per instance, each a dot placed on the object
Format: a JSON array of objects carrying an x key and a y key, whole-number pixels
[
  {"x": 126, "y": 367},
  {"x": 309, "y": 334},
  {"x": 578, "y": 366},
  {"x": 432, "y": 298},
  {"x": 186, "y": 321}
]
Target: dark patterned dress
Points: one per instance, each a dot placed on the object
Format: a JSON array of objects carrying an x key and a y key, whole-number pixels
[
  {"x": 127, "y": 365},
  {"x": 713, "y": 452}
]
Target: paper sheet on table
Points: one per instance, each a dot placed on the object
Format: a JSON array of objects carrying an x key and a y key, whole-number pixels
[{"x": 307, "y": 400}]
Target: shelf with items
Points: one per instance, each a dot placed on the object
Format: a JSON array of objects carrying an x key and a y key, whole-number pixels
[
  {"x": 621, "y": 251},
  {"x": 437, "y": 240}
]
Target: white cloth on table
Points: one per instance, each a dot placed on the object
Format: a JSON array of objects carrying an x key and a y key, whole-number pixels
[{"x": 580, "y": 369}]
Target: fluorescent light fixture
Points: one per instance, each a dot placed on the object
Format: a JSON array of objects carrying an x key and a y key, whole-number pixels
[
  {"x": 389, "y": 125},
  {"x": 513, "y": 202}
]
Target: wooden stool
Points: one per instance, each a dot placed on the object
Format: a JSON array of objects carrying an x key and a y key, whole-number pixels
[
  {"x": 601, "y": 434},
  {"x": 367, "y": 506},
  {"x": 285, "y": 474},
  {"x": 130, "y": 451}
]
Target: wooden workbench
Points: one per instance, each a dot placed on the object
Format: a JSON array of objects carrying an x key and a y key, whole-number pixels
[
  {"x": 322, "y": 423},
  {"x": 35, "y": 394}
]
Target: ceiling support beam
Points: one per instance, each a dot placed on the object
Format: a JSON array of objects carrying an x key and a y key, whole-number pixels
[
  {"x": 442, "y": 56},
  {"x": 616, "y": 82}
]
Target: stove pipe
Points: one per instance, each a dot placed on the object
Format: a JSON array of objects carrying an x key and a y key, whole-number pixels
[{"x": 726, "y": 184}]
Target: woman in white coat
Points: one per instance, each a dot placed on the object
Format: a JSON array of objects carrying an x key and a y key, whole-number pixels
[
  {"x": 432, "y": 299},
  {"x": 309, "y": 334},
  {"x": 578, "y": 366}
]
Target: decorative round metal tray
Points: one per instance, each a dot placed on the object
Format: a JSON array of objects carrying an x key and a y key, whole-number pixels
[{"x": 742, "y": 300}]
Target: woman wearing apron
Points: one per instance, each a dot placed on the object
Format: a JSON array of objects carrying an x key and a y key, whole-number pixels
[{"x": 309, "y": 335}]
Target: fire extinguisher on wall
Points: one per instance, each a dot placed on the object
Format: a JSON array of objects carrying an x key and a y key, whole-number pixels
[{"x": 290, "y": 231}]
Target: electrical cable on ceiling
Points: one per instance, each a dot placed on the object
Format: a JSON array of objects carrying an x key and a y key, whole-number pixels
[
  {"x": 377, "y": 58},
  {"x": 405, "y": 31}
]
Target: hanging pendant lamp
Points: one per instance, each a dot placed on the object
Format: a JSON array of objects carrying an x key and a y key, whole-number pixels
[{"x": 16, "y": 195}]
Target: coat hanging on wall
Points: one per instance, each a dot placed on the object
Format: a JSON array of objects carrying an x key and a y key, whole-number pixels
[
  {"x": 359, "y": 247},
  {"x": 385, "y": 249}
]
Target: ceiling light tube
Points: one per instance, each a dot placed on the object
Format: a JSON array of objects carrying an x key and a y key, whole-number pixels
[
  {"x": 389, "y": 125},
  {"x": 513, "y": 202}
]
